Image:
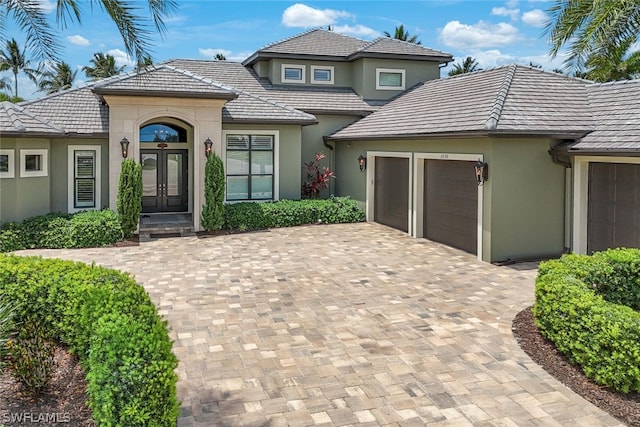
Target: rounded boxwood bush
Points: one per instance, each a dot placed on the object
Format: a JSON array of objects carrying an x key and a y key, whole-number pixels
[
  {"x": 577, "y": 308},
  {"x": 109, "y": 322}
]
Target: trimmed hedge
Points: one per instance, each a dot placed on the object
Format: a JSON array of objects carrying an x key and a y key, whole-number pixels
[
  {"x": 574, "y": 310},
  {"x": 287, "y": 213},
  {"x": 56, "y": 230},
  {"x": 108, "y": 320}
]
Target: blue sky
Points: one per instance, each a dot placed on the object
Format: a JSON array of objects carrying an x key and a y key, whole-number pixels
[{"x": 493, "y": 32}]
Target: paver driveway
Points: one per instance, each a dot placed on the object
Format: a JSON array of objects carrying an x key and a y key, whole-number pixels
[{"x": 344, "y": 324}]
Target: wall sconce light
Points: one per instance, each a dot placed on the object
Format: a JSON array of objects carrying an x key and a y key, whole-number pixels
[
  {"x": 208, "y": 144},
  {"x": 362, "y": 163},
  {"x": 482, "y": 172},
  {"x": 124, "y": 144}
]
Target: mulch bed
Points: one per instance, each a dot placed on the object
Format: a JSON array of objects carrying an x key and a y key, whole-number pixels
[
  {"x": 624, "y": 407},
  {"x": 65, "y": 397}
]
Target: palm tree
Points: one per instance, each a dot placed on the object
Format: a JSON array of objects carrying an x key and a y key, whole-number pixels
[
  {"x": 128, "y": 15},
  {"x": 613, "y": 63},
  {"x": 58, "y": 79},
  {"x": 468, "y": 65},
  {"x": 220, "y": 57},
  {"x": 5, "y": 84},
  {"x": 103, "y": 66},
  {"x": 401, "y": 34},
  {"x": 589, "y": 26},
  {"x": 13, "y": 59}
]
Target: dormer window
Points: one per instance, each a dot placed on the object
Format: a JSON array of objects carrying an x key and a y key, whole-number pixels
[
  {"x": 293, "y": 73},
  {"x": 389, "y": 79},
  {"x": 322, "y": 75}
]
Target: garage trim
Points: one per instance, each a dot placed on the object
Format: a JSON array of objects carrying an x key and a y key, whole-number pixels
[
  {"x": 581, "y": 195},
  {"x": 418, "y": 191},
  {"x": 371, "y": 169}
]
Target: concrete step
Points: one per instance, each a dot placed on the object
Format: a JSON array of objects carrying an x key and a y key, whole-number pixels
[{"x": 148, "y": 233}]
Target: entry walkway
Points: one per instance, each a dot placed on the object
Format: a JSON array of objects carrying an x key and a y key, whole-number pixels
[{"x": 344, "y": 324}]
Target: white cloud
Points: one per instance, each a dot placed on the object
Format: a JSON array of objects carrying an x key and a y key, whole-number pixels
[
  {"x": 504, "y": 11},
  {"x": 478, "y": 36},
  {"x": 535, "y": 18},
  {"x": 121, "y": 58},
  {"x": 301, "y": 15},
  {"x": 512, "y": 4},
  {"x": 211, "y": 53},
  {"x": 48, "y": 6},
  {"x": 78, "y": 40},
  {"x": 356, "y": 30},
  {"x": 492, "y": 58}
]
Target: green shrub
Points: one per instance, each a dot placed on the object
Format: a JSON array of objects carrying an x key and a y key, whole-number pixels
[
  {"x": 129, "y": 198},
  {"x": 287, "y": 213},
  {"x": 31, "y": 357},
  {"x": 601, "y": 336},
  {"x": 81, "y": 230},
  {"x": 7, "y": 328},
  {"x": 213, "y": 209},
  {"x": 109, "y": 321}
]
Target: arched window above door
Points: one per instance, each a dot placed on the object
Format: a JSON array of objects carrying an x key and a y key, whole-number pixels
[{"x": 163, "y": 132}]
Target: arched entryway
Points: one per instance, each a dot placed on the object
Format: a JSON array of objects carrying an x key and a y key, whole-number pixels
[{"x": 165, "y": 145}]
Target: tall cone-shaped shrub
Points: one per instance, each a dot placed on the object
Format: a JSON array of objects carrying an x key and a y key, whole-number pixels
[
  {"x": 213, "y": 209},
  {"x": 129, "y": 200}
]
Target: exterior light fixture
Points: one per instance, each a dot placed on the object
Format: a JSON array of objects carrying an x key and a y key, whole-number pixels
[
  {"x": 362, "y": 163},
  {"x": 208, "y": 144},
  {"x": 482, "y": 172},
  {"x": 124, "y": 144}
]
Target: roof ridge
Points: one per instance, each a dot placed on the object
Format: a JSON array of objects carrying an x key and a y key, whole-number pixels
[
  {"x": 12, "y": 110},
  {"x": 501, "y": 97},
  {"x": 286, "y": 39},
  {"x": 203, "y": 79}
]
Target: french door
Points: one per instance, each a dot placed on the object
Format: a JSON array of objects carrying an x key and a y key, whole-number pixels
[{"x": 164, "y": 180}]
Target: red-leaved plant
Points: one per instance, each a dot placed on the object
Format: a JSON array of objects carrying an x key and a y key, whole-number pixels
[{"x": 317, "y": 178}]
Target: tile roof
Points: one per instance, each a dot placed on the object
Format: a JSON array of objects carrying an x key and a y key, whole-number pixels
[
  {"x": 616, "y": 109},
  {"x": 76, "y": 110},
  {"x": 164, "y": 80},
  {"x": 15, "y": 120},
  {"x": 335, "y": 46},
  {"x": 513, "y": 99},
  {"x": 312, "y": 100}
]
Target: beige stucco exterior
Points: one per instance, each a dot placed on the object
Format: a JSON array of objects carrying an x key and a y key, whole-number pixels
[{"x": 523, "y": 201}]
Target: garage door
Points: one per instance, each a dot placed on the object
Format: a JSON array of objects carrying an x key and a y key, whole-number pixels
[
  {"x": 451, "y": 204},
  {"x": 613, "y": 216},
  {"x": 391, "y": 192}
]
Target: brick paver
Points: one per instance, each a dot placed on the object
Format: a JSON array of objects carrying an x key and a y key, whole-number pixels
[{"x": 352, "y": 324}]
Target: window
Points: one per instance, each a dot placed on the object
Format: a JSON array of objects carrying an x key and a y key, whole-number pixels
[
  {"x": 7, "y": 164},
  {"x": 389, "y": 79},
  {"x": 293, "y": 73},
  {"x": 33, "y": 163},
  {"x": 84, "y": 177},
  {"x": 322, "y": 75},
  {"x": 250, "y": 166},
  {"x": 162, "y": 132}
]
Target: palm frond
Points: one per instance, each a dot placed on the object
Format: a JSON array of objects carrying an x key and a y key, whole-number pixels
[{"x": 30, "y": 17}]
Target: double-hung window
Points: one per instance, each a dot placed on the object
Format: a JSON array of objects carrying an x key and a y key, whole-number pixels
[
  {"x": 250, "y": 166},
  {"x": 390, "y": 79}
]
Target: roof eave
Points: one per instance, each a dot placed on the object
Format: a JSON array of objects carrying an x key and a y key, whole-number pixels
[
  {"x": 417, "y": 135},
  {"x": 356, "y": 113},
  {"x": 613, "y": 152},
  {"x": 164, "y": 94},
  {"x": 258, "y": 56},
  {"x": 302, "y": 122}
]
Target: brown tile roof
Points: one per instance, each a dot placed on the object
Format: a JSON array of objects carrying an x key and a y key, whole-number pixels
[
  {"x": 15, "y": 120},
  {"x": 330, "y": 45},
  {"x": 507, "y": 100},
  {"x": 616, "y": 109}
]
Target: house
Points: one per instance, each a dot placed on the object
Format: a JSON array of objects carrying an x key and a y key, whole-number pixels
[{"x": 508, "y": 163}]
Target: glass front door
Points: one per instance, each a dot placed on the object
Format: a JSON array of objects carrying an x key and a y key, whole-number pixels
[{"x": 164, "y": 180}]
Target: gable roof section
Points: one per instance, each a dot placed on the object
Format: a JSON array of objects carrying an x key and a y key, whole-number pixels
[
  {"x": 312, "y": 100},
  {"x": 616, "y": 109},
  {"x": 329, "y": 45},
  {"x": 507, "y": 100},
  {"x": 165, "y": 81},
  {"x": 14, "y": 120}
]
